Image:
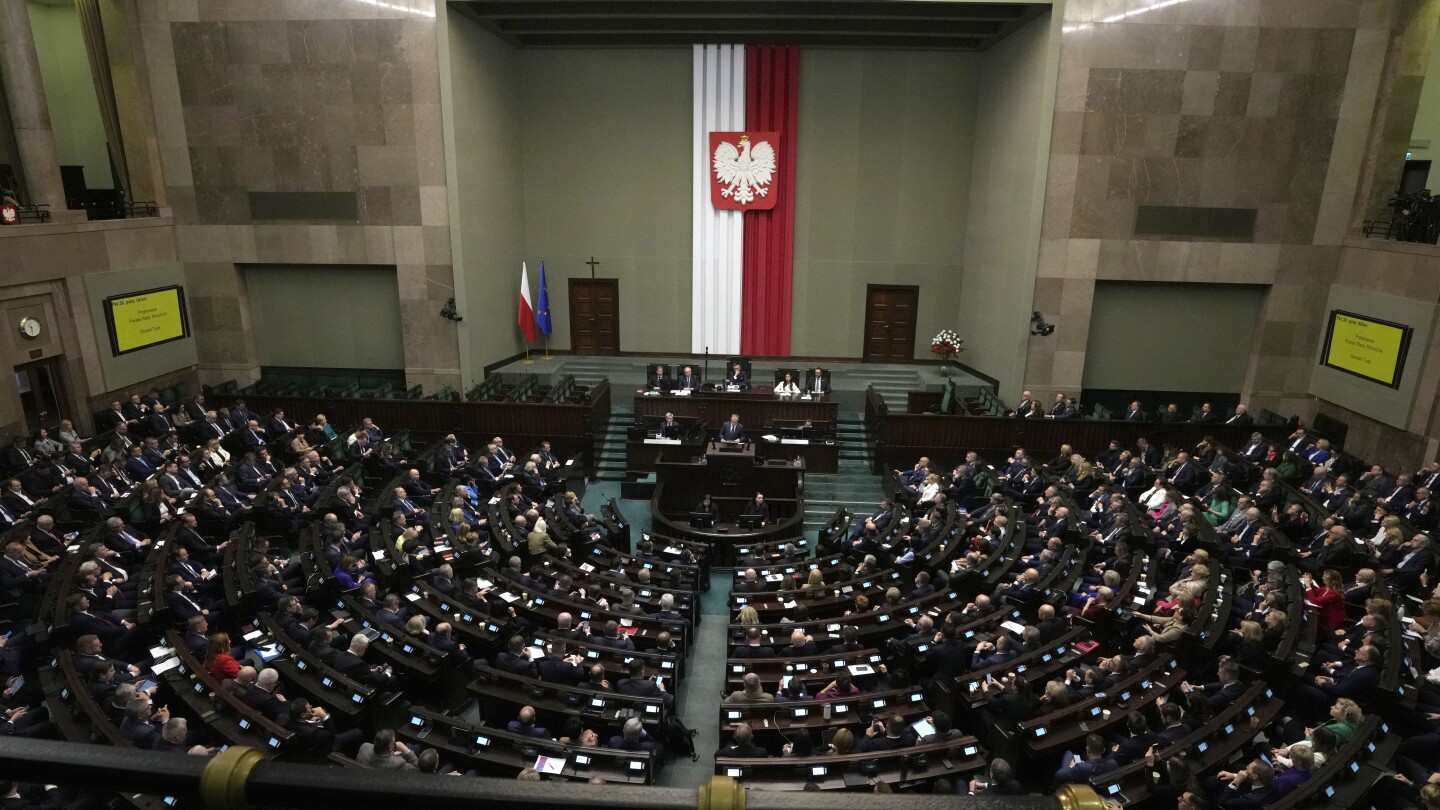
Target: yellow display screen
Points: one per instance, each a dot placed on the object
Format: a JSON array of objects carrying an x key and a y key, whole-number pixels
[
  {"x": 1366, "y": 347},
  {"x": 144, "y": 319}
]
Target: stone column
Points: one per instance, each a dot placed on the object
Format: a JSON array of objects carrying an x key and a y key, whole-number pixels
[{"x": 25, "y": 92}]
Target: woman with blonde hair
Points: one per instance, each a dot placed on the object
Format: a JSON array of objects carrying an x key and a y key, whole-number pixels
[
  {"x": 930, "y": 489},
  {"x": 324, "y": 425},
  {"x": 748, "y": 616},
  {"x": 416, "y": 626},
  {"x": 814, "y": 581},
  {"x": 843, "y": 742},
  {"x": 215, "y": 456}
]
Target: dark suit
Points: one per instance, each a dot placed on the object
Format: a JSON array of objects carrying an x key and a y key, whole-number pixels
[
  {"x": 759, "y": 510},
  {"x": 732, "y": 432}
]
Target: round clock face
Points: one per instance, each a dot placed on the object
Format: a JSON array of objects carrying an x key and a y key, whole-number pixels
[{"x": 29, "y": 327}]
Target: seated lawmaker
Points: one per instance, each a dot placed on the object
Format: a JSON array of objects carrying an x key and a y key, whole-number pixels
[
  {"x": 688, "y": 380},
  {"x": 732, "y": 431},
  {"x": 817, "y": 383},
  {"x": 737, "y": 376},
  {"x": 757, "y": 508},
  {"x": 658, "y": 381},
  {"x": 787, "y": 387}
]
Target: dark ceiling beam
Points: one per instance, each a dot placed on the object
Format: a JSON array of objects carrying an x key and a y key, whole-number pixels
[
  {"x": 749, "y": 9},
  {"x": 521, "y": 28},
  {"x": 810, "y": 40}
]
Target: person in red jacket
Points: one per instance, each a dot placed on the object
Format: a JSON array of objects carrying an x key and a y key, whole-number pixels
[
  {"x": 218, "y": 660},
  {"x": 1329, "y": 599}
]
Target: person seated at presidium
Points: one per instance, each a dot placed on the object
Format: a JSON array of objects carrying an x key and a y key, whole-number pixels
[
  {"x": 737, "y": 376},
  {"x": 658, "y": 381},
  {"x": 818, "y": 384},
  {"x": 787, "y": 388},
  {"x": 688, "y": 380}
]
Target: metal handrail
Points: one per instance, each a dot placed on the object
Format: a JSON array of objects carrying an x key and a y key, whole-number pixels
[{"x": 240, "y": 778}]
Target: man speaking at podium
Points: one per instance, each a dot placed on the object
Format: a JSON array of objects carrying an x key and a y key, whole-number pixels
[{"x": 732, "y": 431}]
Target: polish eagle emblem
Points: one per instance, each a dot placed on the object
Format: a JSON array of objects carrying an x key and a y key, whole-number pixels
[{"x": 744, "y": 172}]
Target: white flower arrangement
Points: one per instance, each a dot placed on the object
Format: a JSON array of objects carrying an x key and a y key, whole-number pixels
[{"x": 946, "y": 343}]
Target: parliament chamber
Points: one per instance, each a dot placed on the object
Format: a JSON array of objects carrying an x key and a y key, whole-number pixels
[{"x": 980, "y": 403}]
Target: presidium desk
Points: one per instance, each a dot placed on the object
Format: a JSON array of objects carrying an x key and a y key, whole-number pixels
[
  {"x": 761, "y": 412},
  {"x": 731, "y": 479}
]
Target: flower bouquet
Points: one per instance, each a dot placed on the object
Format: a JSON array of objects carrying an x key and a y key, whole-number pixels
[{"x": 946, "y": 344}]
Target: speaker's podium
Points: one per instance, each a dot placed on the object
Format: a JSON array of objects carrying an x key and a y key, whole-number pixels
[{"x": 730, "y": 474}]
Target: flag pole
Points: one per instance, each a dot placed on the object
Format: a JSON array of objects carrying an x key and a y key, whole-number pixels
[
  {"x": 546, "y": 355},
  {"x": 527, "y": 361}
]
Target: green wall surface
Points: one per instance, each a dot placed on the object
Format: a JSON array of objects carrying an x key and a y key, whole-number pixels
[
  {"x": 607, "y": 150},
  {"x": 144, "y": 364},
  {"x": 484, "y": 126},
  {"x": 1382, "y": 403},
  {"x": 1148, "y": 336},
  {"x": 882, "y": 182},
  {"x": 325, "y": 316},
  {"x": 1427, "y": 116},
  {"x": 70, "y": 91},
  {"x": 1006, "y": 201}
]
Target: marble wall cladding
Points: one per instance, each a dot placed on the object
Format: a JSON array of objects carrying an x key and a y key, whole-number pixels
[
  {"x": 304, "y": 95},
  {"x": 1216, "y": 103}
]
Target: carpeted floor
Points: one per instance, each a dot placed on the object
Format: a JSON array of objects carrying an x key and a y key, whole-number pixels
[{"x": 700, "y": 691}]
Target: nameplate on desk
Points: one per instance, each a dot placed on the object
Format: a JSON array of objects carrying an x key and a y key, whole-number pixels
[
  {"x": 662, "y": 441},
  {"x": 794, "y": 441},
  {"x": 684, "y": 392},
  {"x": 732, "y": 388}
]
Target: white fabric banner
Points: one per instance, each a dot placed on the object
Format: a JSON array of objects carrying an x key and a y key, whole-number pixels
[{"x": 717, "y": 273}]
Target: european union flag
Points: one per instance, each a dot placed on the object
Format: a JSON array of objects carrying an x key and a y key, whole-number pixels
[{"x": 542, "y": 312}]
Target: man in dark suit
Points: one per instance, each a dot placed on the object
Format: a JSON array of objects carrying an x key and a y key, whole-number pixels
[
  {"x": 352, "y": 663},
  {"x": 559, "y": 667},
  {"x": 1094, "y": 763},
  {"x": 142, "y": 722},
  {"x": 515, "y": 659},
  {"x": 1184, "y": 475},
  {"x": 1220, "y": 693},
  {"x": 1207, "y": 416},
  {"x": 640, "y": 686},
  {"x": 743, "y": 744},
  {"x": 1134, "y": 413},
  {"x": 1149, "y": 454},
  {"x": 732, "y": 431},
  {"x": 1051, "y": 626},
  {"x": 1133, "y": 746},
  {"x": 1418, "y": 559},
  {"x": 157, "y": 422},
  {"x": 658, "y": 381},
  {"x": 1174, "y": 729},
  {"x": 1401, "y": 495},
  {"x": 277, "y": 425},
  {"x": 800, "y": 645},
  {"x": 817, "y": 383},
  {"x": 264, "y": 696},
  {"x": 757, "y": 509},
  {"x": 688, "y": 380},
  {"x": 1241, "y": 417},
  {"x": 737, "y": 376},
  {"x": 753, "y": 648},
  {"x": 669, "y": 428}
]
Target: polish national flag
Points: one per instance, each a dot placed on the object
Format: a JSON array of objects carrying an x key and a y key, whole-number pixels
[{"x": 527, "y": 310}]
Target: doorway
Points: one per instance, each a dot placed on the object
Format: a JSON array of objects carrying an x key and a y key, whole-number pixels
[
  {"x": 595, "y": 316},
  {"x": 42, "y": 393},
  {"x": 890, "y": 323}
]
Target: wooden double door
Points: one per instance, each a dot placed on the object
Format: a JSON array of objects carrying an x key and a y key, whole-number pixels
[
  {"x": 890, "y": 323},
  {"x": 595, "y": 316}
]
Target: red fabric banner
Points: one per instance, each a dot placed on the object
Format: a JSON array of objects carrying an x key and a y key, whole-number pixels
[{"x": 772, "y": 95}]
